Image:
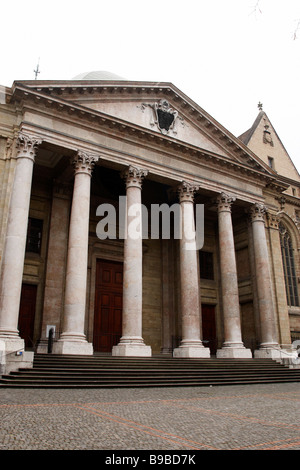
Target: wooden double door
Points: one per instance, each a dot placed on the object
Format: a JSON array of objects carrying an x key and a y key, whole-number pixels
[
  {"x": 108, "y": 309},
  {"x": 108, "y": 305}
]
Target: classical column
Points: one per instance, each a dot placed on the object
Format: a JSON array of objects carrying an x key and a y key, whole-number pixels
[
  {"x": 233, "y": 345},
  {"x": 15, "y": 243},
  {"x": 191, "y": 344},
  {"x": 72, "y": 339},
  {"x": 131, "y": 342},
  {"x": 269, "y": 345}
]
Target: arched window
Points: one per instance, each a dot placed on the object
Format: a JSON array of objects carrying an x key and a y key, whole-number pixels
[{"x": 288, "y": 262}]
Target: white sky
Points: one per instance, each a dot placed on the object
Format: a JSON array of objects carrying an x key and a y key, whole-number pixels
[{"x": 221, "y": 53}]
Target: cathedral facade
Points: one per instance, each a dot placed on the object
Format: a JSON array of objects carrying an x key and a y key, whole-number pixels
[{"x": 134, "y": 224}]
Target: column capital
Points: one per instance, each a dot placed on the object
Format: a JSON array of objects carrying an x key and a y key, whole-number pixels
[
  {"x": 134, "y": 176},
  {"x": 186, "y": 191},
  {"x": 257, "y": 212},
  {"x": 84, "y": 162},
  {"x": 224, "y": 202},
  {"x": 27, "y": 145}
]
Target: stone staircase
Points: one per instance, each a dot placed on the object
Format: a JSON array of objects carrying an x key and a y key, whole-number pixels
[{"x": 53, "y": 371}]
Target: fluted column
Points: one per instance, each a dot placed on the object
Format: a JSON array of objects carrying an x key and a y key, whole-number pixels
[
  {"x": 269, "y": 344},
  {"x": 131, "y": 342},
  {"x": 233, "y": 345},
  {"x": 73, "y": 339},
  {"x": 15, "y": 242},
  {"x": 191, "y": 344}
]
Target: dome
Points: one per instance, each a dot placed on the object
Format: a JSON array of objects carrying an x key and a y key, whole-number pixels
[{"x": 98, "y": 75}]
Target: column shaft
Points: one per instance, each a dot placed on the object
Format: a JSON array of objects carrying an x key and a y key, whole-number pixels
[
  {"x": 131, "y": 342},
  {"x": 73, "y": 340},
  {"x": 280, "y": 300},
  {"x": 191, "y": 344},
  {"x": 233, "y": 345},
  {"x": 15, "y": 243},
  {"x": 269, "y": 344}
]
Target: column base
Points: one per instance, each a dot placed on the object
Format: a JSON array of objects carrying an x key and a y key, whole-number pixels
[
  {"x": 234, "y": 353},
  {"x": 191, "y": 351},
  {"x": 132, "y": 349},
  {"x": 266, "y": 352},
  {"x": 13, "y": 355},
  {"x": 73, "y": 347},
  {"x": 12, "y": 344}
]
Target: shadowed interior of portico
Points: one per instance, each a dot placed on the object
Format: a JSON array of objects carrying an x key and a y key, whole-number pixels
[{"x": 161, "y": 266}]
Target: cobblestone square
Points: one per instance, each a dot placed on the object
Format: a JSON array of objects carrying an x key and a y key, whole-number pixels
[{"x": 248, "y": 417}]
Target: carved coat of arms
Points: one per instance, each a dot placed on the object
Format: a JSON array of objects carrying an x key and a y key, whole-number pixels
[{"x": 164, "y": 117}]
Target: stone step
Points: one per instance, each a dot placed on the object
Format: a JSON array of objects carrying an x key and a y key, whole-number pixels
[
  {"x": 146, "y": 384},
  {"x": 140, "y": 365},
  {"x": 107, "y": 371},
  {"x": 134, "y": 378},
  {"x": 150, "y": 372},
  {"x": 170, "y": 362}
]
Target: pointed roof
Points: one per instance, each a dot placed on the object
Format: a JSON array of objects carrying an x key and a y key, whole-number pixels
[
  {"x": 246, "y": 136},
  {"x": 264, "y": 141}
]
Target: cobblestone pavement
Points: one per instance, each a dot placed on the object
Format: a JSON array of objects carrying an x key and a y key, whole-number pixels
[{"x": 254, "y": 417}]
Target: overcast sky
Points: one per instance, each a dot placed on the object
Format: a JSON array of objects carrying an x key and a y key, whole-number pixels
[{"x": 226, "y": 55}]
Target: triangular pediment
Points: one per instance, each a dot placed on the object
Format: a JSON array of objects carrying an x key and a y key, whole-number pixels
[
  {"x": 159, "y": 108},
  {"x": 161, "y": 116}
]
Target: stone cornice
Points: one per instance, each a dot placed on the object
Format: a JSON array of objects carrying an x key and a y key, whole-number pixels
[
  {"x": 288, "y": 199},
  {"x": 24, "y": 94},
  {"x": 289, "y": 181}
]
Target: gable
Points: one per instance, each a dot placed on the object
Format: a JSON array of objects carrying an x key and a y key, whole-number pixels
[
  {"x": 148, "y": 112},
  {"x": 263, "y": 140}
]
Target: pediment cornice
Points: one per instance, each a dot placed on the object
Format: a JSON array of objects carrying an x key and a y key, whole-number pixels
[{"x": 57, "y": 96}]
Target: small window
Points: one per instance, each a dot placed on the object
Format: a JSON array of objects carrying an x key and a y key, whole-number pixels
[
  {"x": 271, "y": 162},
  {"x": 294, "y": 191},
  {"x": 206, "y": 265},
  {"x": 34, "y": 235}
]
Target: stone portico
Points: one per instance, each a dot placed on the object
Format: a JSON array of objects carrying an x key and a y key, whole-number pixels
[{"x": 68, "y": 148}]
